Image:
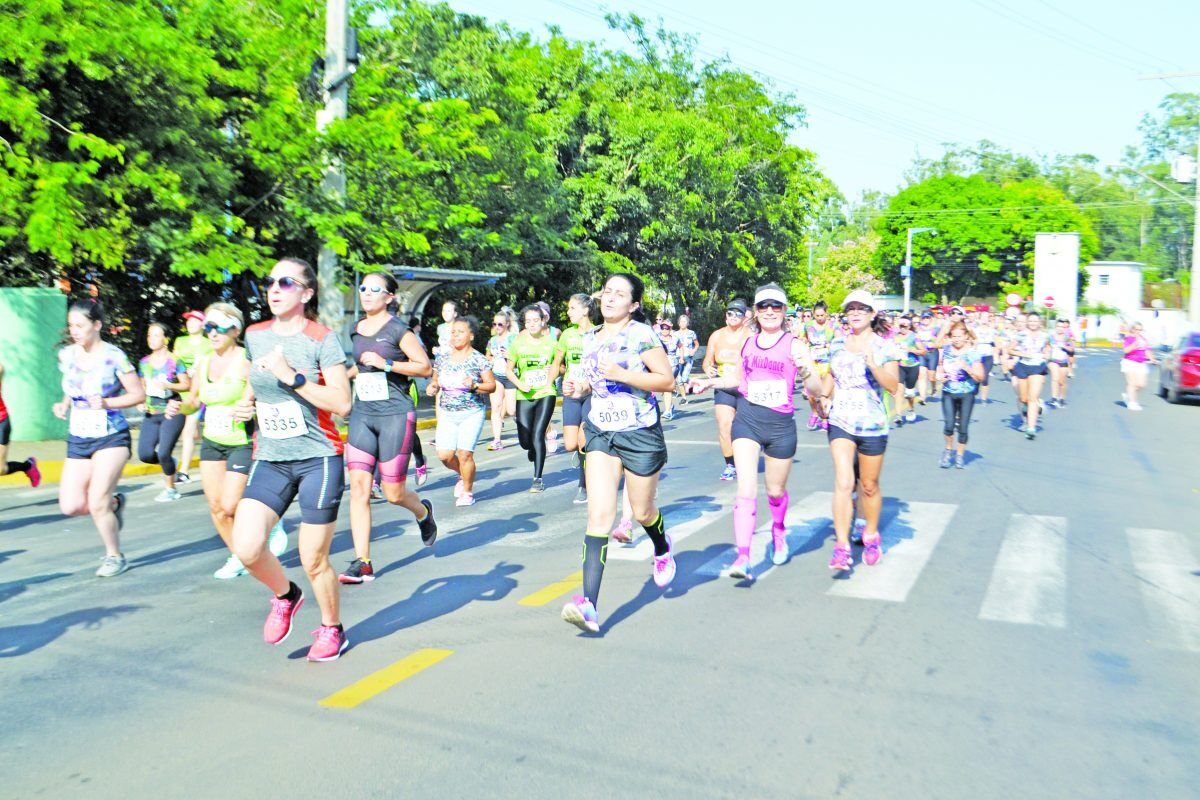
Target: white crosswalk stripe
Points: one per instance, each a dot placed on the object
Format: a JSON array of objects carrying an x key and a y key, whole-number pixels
[
  {"x": 1170, "y": 588},
  {"x": 1029, "y": 579},
  {"x": 680, "y": 522},
  {"x": 804, "y": 520},
  {"x": 908, "y": 542}
]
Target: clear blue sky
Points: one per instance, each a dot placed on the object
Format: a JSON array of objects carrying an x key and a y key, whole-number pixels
[{"x": 884, "y": 81}]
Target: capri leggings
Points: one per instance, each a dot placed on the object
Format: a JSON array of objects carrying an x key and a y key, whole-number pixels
[
  {"x": 988, "y": 363},
  {"x": 910, "y": 375},
  {"x": 386, "y": 441},
  {"x": 533, "y": 418},
  {"x": 956, "y": 409},
  {"x": 157, "y": 439}
]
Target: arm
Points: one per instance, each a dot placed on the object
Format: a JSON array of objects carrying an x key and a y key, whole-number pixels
[
  {"x": 134, "y": 394},
  {"x": 888, "y": 374},
  {"x": 486, "y": 383},
  {"x": 659, "y": 377},
  {"x": 710, "y": 355}
]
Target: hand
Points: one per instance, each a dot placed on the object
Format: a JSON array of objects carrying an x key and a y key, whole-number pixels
[
  {"x": 60, "y": 409},
  {"x": 96, "y": 401},
  {"x": 375, "y": 360},
  {"x": 699, "y": 385},
  {"x": 568, "y": 387},
  {"x": 276, "y": 363},
  {"x": 243, "y": 410},
  {"x": 141, "y": 407},
  {"x": 711, "y": 371},
  {"x": 431, "y": 388},
  {"x": 172, "y": 409},
  {"x": 824, "y": 403},
  {"x": 612, "y": 371}
]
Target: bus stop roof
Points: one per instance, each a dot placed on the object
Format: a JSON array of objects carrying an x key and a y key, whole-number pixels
[{"x": 418, "y": 284}]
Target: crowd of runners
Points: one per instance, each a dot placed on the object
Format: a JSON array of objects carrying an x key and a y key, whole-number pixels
[{"x": 284, "y": 416}]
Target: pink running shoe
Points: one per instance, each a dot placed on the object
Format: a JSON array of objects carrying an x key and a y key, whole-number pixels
[
  {"x": 664, "y": 566},
  {"x": 842, "y": 561},
  {"x": 813, "y": 421},
  {"x": 330, "y": 644},
  {"x": 871, "y": 551},
  {"x": 33, "y": 473},
  {"x": 824, "y": 424},
  {"x": 623, "y": 532},
  {"x": 496, "y": 445},
  {"x": 458, "y": 488},
  {"x": 279, "y": 622},
  {"x": 740, "y": 570}
]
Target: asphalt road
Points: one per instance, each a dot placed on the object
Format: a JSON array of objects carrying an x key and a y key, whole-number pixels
[{"x": 1033, "y": 630}]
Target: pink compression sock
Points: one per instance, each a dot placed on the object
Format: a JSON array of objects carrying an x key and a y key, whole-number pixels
[
  {"x": 779, "y": 507},
  {"x": 745, "y": 509}
]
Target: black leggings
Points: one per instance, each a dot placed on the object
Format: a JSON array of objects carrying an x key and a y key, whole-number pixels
[
  {"x": 533, "y": 418},
  {"x": 956, "y": 408},
  {"x": 157, "y": 439}
]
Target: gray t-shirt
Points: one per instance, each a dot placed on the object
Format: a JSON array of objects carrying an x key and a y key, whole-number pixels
[{"x": 289, "y": 427}]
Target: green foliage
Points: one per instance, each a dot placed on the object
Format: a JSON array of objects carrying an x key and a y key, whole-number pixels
[{"x": 844, "y": 267}]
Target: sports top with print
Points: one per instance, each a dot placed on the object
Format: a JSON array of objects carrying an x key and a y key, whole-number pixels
[
  {"x": 157, "y": 394},
  {"x": 858, "y": 406},
  {"x": 497, "y": 353},
  {"x": 532, "y": 359},
  {"x": 985, "y": 339},
  {"x": 456, "y": 380},
  {"x": 570, "y": 344},
  {"x": 378, "y": 392},
  {"x": 107, "y": 363},
  {"x": 289, "y": 427},
  {"x": 769, "y": 373},
  {"x": 820, "y": 337},
  {"x": 687, "y": 343},
  {"x": 1033, "y": 343},
  {"x": 617, "y": 406},
  {"x": 955, "y": 364}
]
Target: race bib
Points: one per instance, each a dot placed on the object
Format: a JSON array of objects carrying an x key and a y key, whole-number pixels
[
  {"x": 89, "y": 423},
  {"x": 537, "y": 378},
  {"x": 853, "y": 403},
  {"x": 767, "y": 393},
  {"x": 575, "y": 373},
  {"x": 281, "y": 420},
  {"x": 156, "y": 388},
  {"x": 218, "y": 421},
  {"x": 613, "y": 413},
  {"x": 499, "y": 366},
  {"x": 371, "y": 386}
]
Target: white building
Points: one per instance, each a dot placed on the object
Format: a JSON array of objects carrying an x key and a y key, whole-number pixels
[{"x": 1115, "y": 283}]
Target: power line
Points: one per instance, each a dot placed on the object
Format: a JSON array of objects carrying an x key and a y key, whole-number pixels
[{"x": 1154, "y": 59}]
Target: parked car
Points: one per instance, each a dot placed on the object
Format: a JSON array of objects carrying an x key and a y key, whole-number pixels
[{"x": 1179, "y": 373}]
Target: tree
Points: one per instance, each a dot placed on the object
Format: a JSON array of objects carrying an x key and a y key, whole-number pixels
[{"x": 845, "y": 266}]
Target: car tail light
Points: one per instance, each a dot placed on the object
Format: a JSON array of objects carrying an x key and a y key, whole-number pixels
[{"x": 1191, "y": 358}]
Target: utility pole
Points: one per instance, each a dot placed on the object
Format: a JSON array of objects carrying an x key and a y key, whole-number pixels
[
  {"x": 1194, "y": 302},
  {"x": 907, "y": 273},
  {"x": 336, "y": 84}
]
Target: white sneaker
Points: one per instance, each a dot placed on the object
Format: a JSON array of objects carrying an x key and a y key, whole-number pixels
[
  {"x": 182, "y": 477},
  {"x": 1134, "y": 406},
  {"x": 277, "y": 542},
  {"x": 911, "y": 417},
  {"x": 465, "y": 499},
  {"x": 168, "y": 496},
  {"x": 231, "y": 569}
]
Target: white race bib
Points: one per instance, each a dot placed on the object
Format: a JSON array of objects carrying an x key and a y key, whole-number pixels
[
  {"x": 771, "y": 393},
  {"x": 854, "y": 404},
  {"x": 281, "y": 420},
  {"x": 155, "y": 388},
  {"x": 89, "y": 423},
  {"x": 575, "y": 373},
  {"x": 218, "y": 421},
  {"x": 537, "y": 378},
  {"x": 371, "y": 386},
  {"x": 499, "y": 366},
  {"x": 613, "y": 413}
]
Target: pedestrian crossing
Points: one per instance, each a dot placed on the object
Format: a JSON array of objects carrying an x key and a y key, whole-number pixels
[{"x": 1028, "y": 583}]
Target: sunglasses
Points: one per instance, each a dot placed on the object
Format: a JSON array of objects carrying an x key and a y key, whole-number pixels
[
  {"x": 209, "y": 327},
  {"x": 735, "y": 314},
  {"x": 769, "y": 305},
  {"x": 364, "y": 289},
  {"x": 286, "y": 283},
  {"x": 857, "y": 307}
]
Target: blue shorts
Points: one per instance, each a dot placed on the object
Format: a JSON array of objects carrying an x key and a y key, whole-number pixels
[
  {"x": 867, "y": 445},
  {"x": 573, "y": 411},
  {"x": 78, "y": 447},
  {"x": 318, "y": 482},
  {"x": 458, "y": 430}
]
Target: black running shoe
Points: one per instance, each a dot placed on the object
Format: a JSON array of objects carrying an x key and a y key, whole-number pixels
[
  {"x": 359, "y": 571},
  {"x": 428, "y": 526},
  {"x": 119, "y": 509}
]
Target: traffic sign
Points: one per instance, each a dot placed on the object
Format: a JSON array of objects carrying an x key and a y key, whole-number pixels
[
  {"x": 1013, "y": 299},
  {"x": 1048, "y": 302}
]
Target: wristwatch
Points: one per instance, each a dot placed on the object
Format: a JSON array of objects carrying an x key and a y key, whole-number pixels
[
  {"x": 299, "y": 380},
  {"x": 387, "y": 364}
]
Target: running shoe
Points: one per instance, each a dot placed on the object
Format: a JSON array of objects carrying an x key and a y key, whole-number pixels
[
  {"x": 898, "y": 422},
  {"x": 1062, "y": 402},
  {"x": 623, "y": 533},
  {"x": 552, "y": 442},
  {"x": 279, "y": 622},
  {"x": 912, "y": 417},
  {"x": 664, "y": 567},
  {"x": 277, "y": 541},
  {"x": 232, "y": 568},
  {"x": 119, "y": 509},
  {"x": 496, "y": 445},
  {"x": 1134, "y": 406},
  {"x": 428, "y": 526},
  {"x": 824, "y": 424},
  {"x": 779, "y": 549},
  {"x": 1041, "y": 405},
  {"x": 465, "y": 499},
  {"x": 947, "y": 459},
  {"x": 538, "y": 486},
  {"x": 960, "y": 461},
  {"x": 459, "y": 488},
  {"x": 182, "y": 477},
  {"x": 871, "y": 551},
  {"x": 739, "y": 570},
  {"x": 856, "y": 532},
  {"x": 729, "y": 473},
  {"x": 330, "y": 643},
  {"x": 582, "y": 614},
  {"x": 1030, "y": 432},
  {"x": 422, "y": 474},
  {"x": 359, "y": 571},
  {"x": 580, "y": 496},
  {"x": 813, "y": 419},
  {"x": 1052, "y": 402},
  {"x": 33, "y": 473},
  {"x": 842, "y": 560},
  {"x": 112, "y": 566},
  {"x": 376, "y": 491},
  {"x": 168, "y": 496},
  {"x": 667, "y": 416}
]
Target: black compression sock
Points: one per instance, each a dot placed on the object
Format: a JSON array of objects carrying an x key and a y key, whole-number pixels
[
  {"x": 582, "y": 477},
  {"x": 595, "y": 553},
  {"x": 293, "y": 593},
  {"x": 18, "y": 466},
  {"x": 729, "y": 460},
  {"x": 657, "y": 532}
]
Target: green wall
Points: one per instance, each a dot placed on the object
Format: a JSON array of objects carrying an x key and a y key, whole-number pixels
[{"x": 32, "y": 322}]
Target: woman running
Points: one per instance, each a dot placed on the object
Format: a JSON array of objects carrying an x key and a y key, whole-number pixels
[
  {"x": 162, "y": 380},
  {"x": 765, "y": 423},
  {"x": 298, "y": 377},
  {"x": 29, "y": 466},
  {"x": 1031, "y": 347},
  {"x": 721, "y": 358},
  {"x": 98, "y": 381},
  {"x": 863, "y": 369},
  {"x": 911, "y": 355},
  {"x": 383, "y": 421},
  {"x": 819, "y": 332},
  {"x": 985, "y": 345},
  {"x": 666, "y": 334},
  {"x": 962, "y": 372},
  {"x": 186, "y": 351},
  {"x": 623, "y": 366},
  {"x": 460, "y": 377},
  {"x": 927, "y": 334},
  {"x": 1062, "y": 351},
  {"x": 504, "y": 398},
  {"x": 1134, "y": 365},
  {"x": 531, "y": 370},
  {"x": 568, "y": 361},
  {"x": 689, "y": 343}
]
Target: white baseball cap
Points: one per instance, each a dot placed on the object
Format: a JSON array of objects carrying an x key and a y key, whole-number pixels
[
  {"x": 768, "y": 293},
  {"x": 859, "y": 296}
]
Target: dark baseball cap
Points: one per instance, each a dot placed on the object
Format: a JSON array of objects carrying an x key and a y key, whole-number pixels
[{"x": 737, "y": 305}]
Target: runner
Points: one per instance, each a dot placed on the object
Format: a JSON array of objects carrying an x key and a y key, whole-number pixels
[
  {"x": 568, "y": 361},
  {"x": 819, "y": 333},
  {"x": 721, "y": 358},
  {"x": 450, "y": 313},
  {"x": 187, "y": 349},
  {"x": 911, "y": 354},
  {"x": 531, "y": 370},
  {"x": 623, "y": 366},
  {"x": 460, "y": 377},
  {"x": 927, "y": 334},
  {"x": 1134, "y": 365},
  {"x": 666, "y": 335},
  {"x": 963, "y": 371},
  {"x": 986, "y": 337},
  {"x": 1031, "y": 348},
  {"x": 765, "y": 423},
  {"x": 298, "y": 376},
  {"x": 1062, "y": 353},
  {"x": 689, "y": 343},
  {"x": 28, "y": 466},
  {"x": 504, "y": 399},
  {"x": 219, "y": 382},
  {"x": 421, "y": 466},
  {"x": 863, "y": 368},
  {"x": 98, "y": 381},
  {"x": 162, "y": 380},
  {"x": 383, "y": 421}
]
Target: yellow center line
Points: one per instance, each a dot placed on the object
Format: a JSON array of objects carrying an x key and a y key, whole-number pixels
[
  {"x": 378, "y": 682},
  {"x": 555, "y": 590}
]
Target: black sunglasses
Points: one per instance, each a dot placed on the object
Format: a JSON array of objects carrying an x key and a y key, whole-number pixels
[
  {"x": 769, "y": 305},
  {"x": 209, "y": 327},
  {"x": 286, "y": 282}
]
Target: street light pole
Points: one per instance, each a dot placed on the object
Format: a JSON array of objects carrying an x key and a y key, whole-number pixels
[
  {"x": 908, "y": 263},
  {"x": 1194, "y": 302}
]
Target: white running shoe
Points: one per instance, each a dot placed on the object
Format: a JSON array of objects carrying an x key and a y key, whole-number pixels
[
  {"x": 1134, "y": 406},
  {"x": 168, "y": 496},
  {"x": 465, "y": 499},
  {"x": 277, "y": 542},
  {"x": 232, "y": 568}
]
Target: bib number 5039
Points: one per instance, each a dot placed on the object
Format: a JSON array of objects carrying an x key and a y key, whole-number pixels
[{"x": 613, "y": 413}]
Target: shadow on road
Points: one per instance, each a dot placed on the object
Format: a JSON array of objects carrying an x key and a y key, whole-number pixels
[
  {"x": 12, "y": 525},
  {"x": 14, "y": 588},
  {"x": 209, "y": 544},
  {"x": 477, "y": 535},
  {"x": 18, "y": 640},
  {"x": 687, "y": 577}
]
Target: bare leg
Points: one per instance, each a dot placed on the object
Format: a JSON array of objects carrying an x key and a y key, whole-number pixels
[
  {"x": 314, "y": 555},
  {"x": 106, "y": 472},
  {"x": 251, "y": 525}
]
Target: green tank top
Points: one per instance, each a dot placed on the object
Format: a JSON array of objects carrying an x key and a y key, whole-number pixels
[
  {"x": 533, "y": 359},
  {"x": 219, "y": 397}
]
